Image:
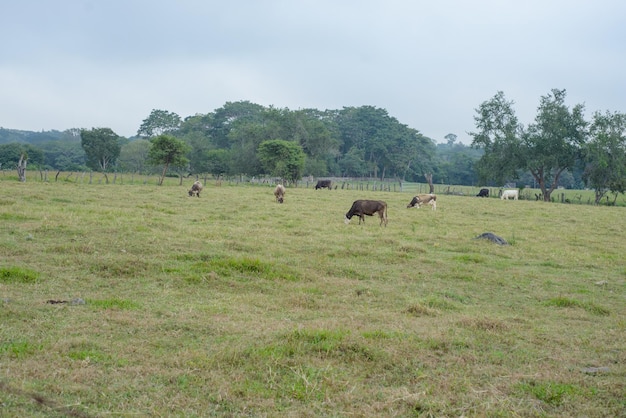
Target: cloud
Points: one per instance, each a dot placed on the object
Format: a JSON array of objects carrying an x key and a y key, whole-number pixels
[{"x": 86, "y": 63}]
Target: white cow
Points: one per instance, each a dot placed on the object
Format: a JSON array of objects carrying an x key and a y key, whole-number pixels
[
  {"x": 279, "y": 192},
  {"x": 511, "y": 193}
]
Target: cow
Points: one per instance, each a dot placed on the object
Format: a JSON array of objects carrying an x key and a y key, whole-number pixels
[
  {"x": 323, "y": 183},
  {"x": 369, "y": 208},
  {"x": 483, "y": 193},
  {"x": 422, "y": 199},
  {"x": 195, "y": 190},
  {"x": 511, "y": 193},
  {"x": 279, "y": 192}
]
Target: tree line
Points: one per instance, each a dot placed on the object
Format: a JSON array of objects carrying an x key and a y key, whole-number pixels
[
  {"x": 253, "y": 140},
  {"x": 560, "y": 148}
]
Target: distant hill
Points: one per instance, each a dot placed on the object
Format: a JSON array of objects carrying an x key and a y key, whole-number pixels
[{"x": 8, "y": 136}]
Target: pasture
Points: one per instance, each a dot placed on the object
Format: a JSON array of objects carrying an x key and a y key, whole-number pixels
[{"x": 137, "y": 300}]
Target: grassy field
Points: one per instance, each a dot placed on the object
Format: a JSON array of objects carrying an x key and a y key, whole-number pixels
[{"x": 234, "y": 305}]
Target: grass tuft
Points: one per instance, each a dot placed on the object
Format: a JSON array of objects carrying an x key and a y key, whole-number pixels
[
  {"x": 10, "y": 275},
  {"x": 19, "y": 349},
  {"x": 113, "y": 303},
  {"x": 552, "y": 393}
]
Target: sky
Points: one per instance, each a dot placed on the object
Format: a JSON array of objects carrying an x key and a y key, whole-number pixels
[{"x": 430, "y": 64}]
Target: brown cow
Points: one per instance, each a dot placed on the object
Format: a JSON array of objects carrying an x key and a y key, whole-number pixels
[
  {"x": 369, "y": 208},
  {"x": 279, "y": 192},
  {"x": 422, "y": 199},
  {"x": 195, "y": 190}
]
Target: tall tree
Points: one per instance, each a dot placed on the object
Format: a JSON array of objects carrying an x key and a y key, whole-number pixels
[
  {"x": 498, "y": 134},
  {"x": 546, "y": 149},
  {"x": 552, "y": 144},
  {"x": 283, "y": 159},
  {"x": 605, "y": 154},
  {"x": 167, "y": 151},
  {"x": 102, "y": 147},
  {"x": 159, "y": 122}
]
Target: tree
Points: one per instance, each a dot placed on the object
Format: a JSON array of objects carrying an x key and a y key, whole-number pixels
[
  {"x": 167, "y": 151},
  {"x": 159, "y": 122},
  {"x": 451, "y": 138},
  {"x": 284, "y": 159},
  {"x": 605, "y": 154},
  {"x": 101, "y": 147},
  {"x": 547, "y": 148},
  {"x": 499, "y": 136},
  {"x": 389, "y": 147},
  {"x": 21, "y": 167},
  {"x": 553, "y": 143}
]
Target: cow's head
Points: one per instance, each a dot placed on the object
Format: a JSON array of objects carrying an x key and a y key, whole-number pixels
[
  {"x": 346, "y": 220},
  {"x": 414, "y": 203}
]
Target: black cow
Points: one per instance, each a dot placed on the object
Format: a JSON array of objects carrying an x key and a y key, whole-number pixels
[
  {"x": 369, "y": 208},
  {"x": 323, "y": 183},
  {"x": 483, "y": 193}
]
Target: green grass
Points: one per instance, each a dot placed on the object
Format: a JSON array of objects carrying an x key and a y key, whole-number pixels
[
  {"x": 234, "y": 305},
  {"x": 12, "y": 274}
]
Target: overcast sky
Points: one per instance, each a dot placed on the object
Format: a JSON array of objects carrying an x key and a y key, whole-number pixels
[{"x": 107, "y": 63}]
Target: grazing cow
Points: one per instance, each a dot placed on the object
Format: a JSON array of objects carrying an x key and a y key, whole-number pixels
[
  {"x": 195, "y": 190},
  {"x": 279, "y": 192},
  {"x": 483, "y": 193},
  {"x": 422, "y": 199},
  {"x": 369, "y": 208},
  {"x": 323, "y": 183},
  {"x": 511, "y": 193}
]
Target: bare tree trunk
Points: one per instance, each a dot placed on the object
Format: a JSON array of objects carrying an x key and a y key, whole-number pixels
[
  {"x": 21, "y": 167},
  {"x": 429, "y": 179}
]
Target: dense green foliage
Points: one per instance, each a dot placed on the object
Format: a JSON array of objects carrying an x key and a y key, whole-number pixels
[
  {"x": 159, "y": 122},
  {"x": 605, "y": 154},
  {"x": 167, "y": 151},
  {"x": 558, "y": 149},
  {"x": 102, "y": 147},
  {"x": 557, "y": 142},
  {"x": 283, "y": 159}
]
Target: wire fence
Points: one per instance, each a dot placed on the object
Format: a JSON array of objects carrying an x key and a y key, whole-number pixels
[{"x": 336, "y": 183}]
